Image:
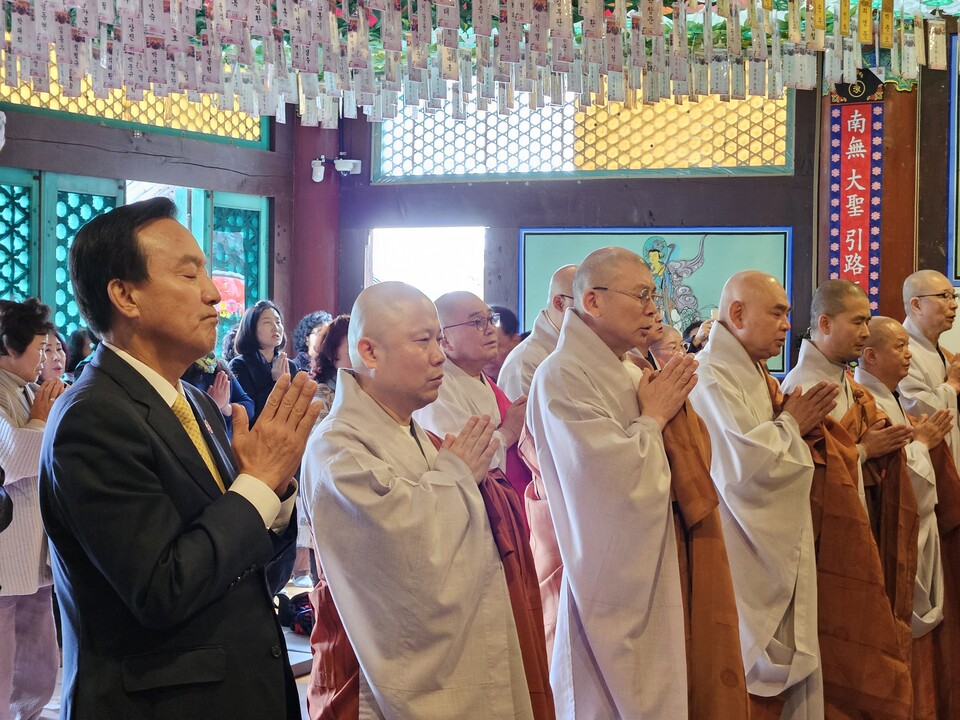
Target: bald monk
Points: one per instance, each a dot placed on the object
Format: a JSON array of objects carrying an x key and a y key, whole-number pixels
[
  {"x": 866, "y": 562},
  {"x": 930, "y": 305},
  {"x": 763, "y": 472},
  {"x": 884, "y": 362},
  {"x": 620, "y": 647},
  {"x": 518, "y": 368},
  {"x": 469, "y": 341},
  {"x": 669, "y": 344},
  {"x": 403, "y": 532}
]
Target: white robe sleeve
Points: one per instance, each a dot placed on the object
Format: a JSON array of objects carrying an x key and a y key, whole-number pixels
[
  {"x": 443, "y": 417},
  {"x": 747, "y": 454},
  {"x": 919, "y": 398}
]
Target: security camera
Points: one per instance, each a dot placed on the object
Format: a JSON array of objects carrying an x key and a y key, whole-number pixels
[{"x": 346, "y": 167}]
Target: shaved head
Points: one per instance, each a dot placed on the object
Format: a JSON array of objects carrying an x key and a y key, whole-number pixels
[
  {"x": 754, "y": 307},
  {"x": 395, "y": 349},
  {"x": 840, "y": 320},
  {"x": 923, "y": 281},
  {"x": 833, "y": 297},
  {"x": 560, "y": 295},
  {"x": 467, "y": 345},
  {"x": 882, "y": 331},
  {"x": 744, "y": 286},
  {"x": 382, "y": 308},
  {"x": 886, "y": 354},
  {"x": 929, "y": 302},
  {"x": 605, "y": 267},
  {"x": 562, "y": 281},
  {"x": 613, "y": 291},
  {"x": 670, "y": 344},
  {"x": 450, "y": 305}
]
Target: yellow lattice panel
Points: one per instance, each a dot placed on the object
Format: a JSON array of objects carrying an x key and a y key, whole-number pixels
[
  {"x": 174, "y": 112},
  {"x": 665, "y": 136}
]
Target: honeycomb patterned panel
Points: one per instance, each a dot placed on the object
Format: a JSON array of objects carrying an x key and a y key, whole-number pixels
[
  {"x": 417, "y": 144},
  {"x": 747, "y": 133},
  {"x": 74, "y": 210},
  {"x": 15, "y": 253},
  {"x": 174, "y": 112},
  {"x": 708, "y": 134}
]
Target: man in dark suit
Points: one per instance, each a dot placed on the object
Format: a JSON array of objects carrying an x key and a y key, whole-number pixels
[{"x": 160, "y": 532}]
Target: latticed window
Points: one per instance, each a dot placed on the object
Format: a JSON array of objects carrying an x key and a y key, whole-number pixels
[
  {"x": 239, "y": 253},
  {"x": 16, "y": 233},
  {"x": 749, "y": 136},
  {"x": 171, "y": 113},
  {"x": 74, "y": 210}
]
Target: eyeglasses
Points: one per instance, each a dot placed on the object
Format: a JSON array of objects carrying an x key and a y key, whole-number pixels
[
  {"x": 945, "y": 295},
  {"x": 644, "y": 296},
  {"x": 481, "y": 323},
  {"x": 568, "y": 297}
]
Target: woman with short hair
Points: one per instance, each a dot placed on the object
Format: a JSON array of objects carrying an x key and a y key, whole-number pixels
[
  {"x": 29, "y": 657},
  {"x": 260, "y": 359}
]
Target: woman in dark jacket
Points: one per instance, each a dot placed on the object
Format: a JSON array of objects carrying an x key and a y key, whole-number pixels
[
  {"x": 260, "y": 361},
  {"x": 205, "y": 374}
]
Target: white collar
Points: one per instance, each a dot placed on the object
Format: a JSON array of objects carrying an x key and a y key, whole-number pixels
[{"x": 168, "y": 392}]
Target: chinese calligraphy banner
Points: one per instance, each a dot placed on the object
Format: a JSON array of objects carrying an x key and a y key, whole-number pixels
[{"x": 856, "y": 181}]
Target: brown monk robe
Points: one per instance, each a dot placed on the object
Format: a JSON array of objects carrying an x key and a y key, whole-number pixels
[
  {"x": 716, "y": 687},
  {"x": 865, "y": 675},
  {"x": 946, "y": 637},
  {"x": 335, "y": 688},
  {"x": 333, "y": 692},
  {"x": 892, "y": 508}
]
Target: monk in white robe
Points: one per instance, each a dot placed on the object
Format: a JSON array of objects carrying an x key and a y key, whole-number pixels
[
  {"x": 763, "y": 471},
  {"x": 930, "y": 304},
  {"x": 620, "y": 649},
  {"x": 518, "y": 368},
  {"x": 885, "y": 361},
  {"x": 469, "y": 341},
  {"x": 403, "y": 532}
]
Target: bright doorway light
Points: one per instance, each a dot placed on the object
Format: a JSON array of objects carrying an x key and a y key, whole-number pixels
[{"x": 436, "y": 260}]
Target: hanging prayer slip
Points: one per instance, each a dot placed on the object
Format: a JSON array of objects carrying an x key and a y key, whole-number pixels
[
  {"x": 937, "y": 49},
  {"x": 865, "y": 22}
]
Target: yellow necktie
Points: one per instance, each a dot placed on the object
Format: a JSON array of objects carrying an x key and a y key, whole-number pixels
[{"x": 181, "y": 408}]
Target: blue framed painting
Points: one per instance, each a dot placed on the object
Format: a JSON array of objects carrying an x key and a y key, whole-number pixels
[{"x": 690, "y": 265}]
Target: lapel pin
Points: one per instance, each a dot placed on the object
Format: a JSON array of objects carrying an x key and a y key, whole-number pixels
[{"x": 207, "y": 424}]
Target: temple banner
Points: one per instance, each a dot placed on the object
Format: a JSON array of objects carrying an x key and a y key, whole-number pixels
[{"x": 856, "y": 183}]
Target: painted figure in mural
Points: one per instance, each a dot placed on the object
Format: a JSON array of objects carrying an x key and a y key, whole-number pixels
[{"x": 678, "y": 304}]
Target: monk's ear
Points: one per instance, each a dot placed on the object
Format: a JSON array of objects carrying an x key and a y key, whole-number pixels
[
  {"x": 591, "y": 304},
  {"x": 824, "y": 324},
  {"x": 124, "y": 297},
  {"x": 557, "y": 303},
  {"x": 368, "y": 352},
  {"x": 736, "y": 313},
  {"x": 869, "y": 356},
  {"x": 445, "y": 344}
]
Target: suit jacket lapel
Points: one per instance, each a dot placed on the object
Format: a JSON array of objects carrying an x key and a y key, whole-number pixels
[{"x": 160, "y": 417}]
